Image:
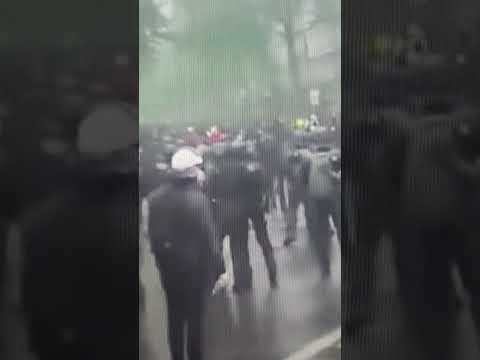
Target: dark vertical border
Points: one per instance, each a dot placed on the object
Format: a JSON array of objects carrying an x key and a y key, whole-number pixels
[{"x": 88, "y": 42}]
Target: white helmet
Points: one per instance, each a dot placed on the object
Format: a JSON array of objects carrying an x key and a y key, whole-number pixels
[{"x": 184, "y": 162}]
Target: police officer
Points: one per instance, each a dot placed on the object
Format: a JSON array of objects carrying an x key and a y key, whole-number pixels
[
  {"x": 187, "y": 252},
  {"x": 374, "y": 149},
  {"x": 438, "y": 227},
  {"x": 237, "y": 187},
  {"x": 81, "y": 271},
  {"x": 297, "y": 180},
  {"x": 274, "y": 152},
  {"x": 322, "y": 203}
]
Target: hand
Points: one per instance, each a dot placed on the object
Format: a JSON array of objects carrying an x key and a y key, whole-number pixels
[{"x": 223, "y": 282}]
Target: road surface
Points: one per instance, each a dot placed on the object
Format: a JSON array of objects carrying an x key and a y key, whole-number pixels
[{"x": 299, "y": 320}]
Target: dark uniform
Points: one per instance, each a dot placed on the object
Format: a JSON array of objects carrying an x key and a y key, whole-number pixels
[
  {"x": 187, "y": 253},
  {"x": 81, "y": 273},
  {"x": 373, "y": 158},
  {"x": 275, "y": 164},
  {"x": 237, "y": 186},
  {"x": 297, "y": 180},
  {"x": 438, "y": 227},
  {"x": 419, "y": 182}
]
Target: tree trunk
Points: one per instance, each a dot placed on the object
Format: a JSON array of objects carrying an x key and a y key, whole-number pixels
[
  {"x": 293, "y": 67},
  {"x": 298, "y": 104}
]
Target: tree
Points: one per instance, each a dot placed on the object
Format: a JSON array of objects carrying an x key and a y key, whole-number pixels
[
  {"x": 292, "y": 19},
  {"x": 152, "y": 23},
  {"x": 216, "y": 48}
]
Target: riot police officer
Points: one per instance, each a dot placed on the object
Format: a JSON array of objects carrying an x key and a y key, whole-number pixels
[
  {"x": 297, "y": 182},
  {"x": 273, "y": 151},
  {"x": 237, "y": 186}
]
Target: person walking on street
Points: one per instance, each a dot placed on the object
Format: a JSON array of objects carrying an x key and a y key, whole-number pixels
[
  {"x": 323, "y": 203},
  {"x": 237, "y": 189},
  {"x": 186, "y": 250},
  {"x": 297, "y": 194}
]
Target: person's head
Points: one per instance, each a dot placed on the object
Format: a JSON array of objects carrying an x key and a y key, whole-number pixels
[
  {"x": 108, "y": 138},
  {"x": 186, "y": 165}
]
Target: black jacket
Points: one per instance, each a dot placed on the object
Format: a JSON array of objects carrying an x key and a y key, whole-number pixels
[
  {"x": 237, "y": 188},
  {"x": 183, "y": 236},
  {"x": 81, "y": 268}
]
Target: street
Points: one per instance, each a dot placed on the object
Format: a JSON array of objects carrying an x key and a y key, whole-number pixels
[{"x": 299, "y": 320}]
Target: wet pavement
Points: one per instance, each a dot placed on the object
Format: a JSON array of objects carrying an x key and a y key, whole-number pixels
[
  {"x": 265, "y": 324},
  {"x": 262, "y": 325},
  {"x": 276, "y": 324}
]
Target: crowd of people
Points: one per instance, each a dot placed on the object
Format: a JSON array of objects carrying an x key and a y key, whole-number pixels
[
  {"x": 69, "y": 178},
  {"x": 411, "y": 176},
  {"x": 200, "y": 189}
]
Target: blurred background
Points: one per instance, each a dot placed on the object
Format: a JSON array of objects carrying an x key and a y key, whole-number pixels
[{"x": 229, "y": 61}]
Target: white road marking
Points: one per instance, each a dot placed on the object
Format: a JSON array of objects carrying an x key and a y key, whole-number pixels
[{"x": 317, "y": 346}]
